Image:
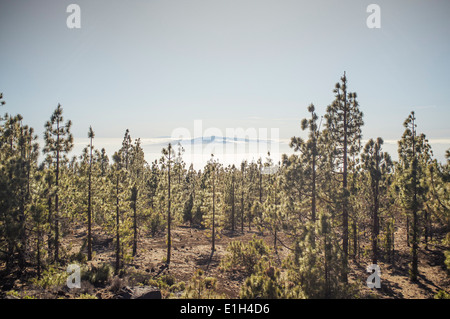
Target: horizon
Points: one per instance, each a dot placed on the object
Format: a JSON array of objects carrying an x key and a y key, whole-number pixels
[
  {"x": 157, "y": 66},
  {"x": 152, "y": 149}
]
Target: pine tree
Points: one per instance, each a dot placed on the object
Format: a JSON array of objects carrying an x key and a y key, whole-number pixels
[
  {"x": 254, "y": 207},
  {"x": 229, "y": 197},
  {"x": 343, "y": 126},
  {"x": 58, "y": 142},
  {"x": 414, "y": 155},
  {"x": 18, "y": 157},
  {"x": 243, "y": 191},
  {"x": 439, "y": 186},
  {"x": 211, "y": 205},
  {"x": 167, "y": 162},
  {"x": 378, "y": 165},
  {"x": 27, "y": 160},
  {"x": 39, "y": 220},
  {"x": 188, "y": 209},
  {"x": 89, "y": 210},
  {"x": 272, "y": 209},
  {"x": 137, "y": 171},
  {"x": 312, "y": 158},
  {"x": 121, "y": 194}
]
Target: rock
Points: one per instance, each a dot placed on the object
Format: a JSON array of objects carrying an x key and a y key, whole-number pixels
[{"x": 144, "y": 292}]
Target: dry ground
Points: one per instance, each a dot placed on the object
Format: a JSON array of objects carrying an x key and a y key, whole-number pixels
[{"x": 192, "y": 250}]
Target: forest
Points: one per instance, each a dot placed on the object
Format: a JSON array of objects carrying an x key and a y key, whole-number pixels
[{"x": 306, "y": 226}]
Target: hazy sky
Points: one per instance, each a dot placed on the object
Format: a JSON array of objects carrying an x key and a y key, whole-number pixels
[{"x": 152, "y": 66}]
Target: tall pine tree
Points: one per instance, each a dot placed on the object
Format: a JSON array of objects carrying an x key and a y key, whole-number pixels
[
  {"x": 414, "y": 155},
  {"x": 377, "y": 164},
  {"x": 344, "y": 120},
  {"x": 58, "y": 142}
]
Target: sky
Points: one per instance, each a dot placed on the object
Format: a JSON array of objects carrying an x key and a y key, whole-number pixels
[{"x": 158, "y": 65}]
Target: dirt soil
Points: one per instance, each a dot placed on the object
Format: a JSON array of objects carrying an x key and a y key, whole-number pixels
[{"x": 192, "y": 250}]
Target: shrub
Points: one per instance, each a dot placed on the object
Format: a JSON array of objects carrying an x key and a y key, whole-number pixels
[
  {"x": 17, "y": 295},
  {"x": 79, "y": 257},
  {"x": 97, "y": 275},
  {"x": 180, "y": 286},
  {"x": 51, "y": 278},
  {"x": 447, "y": 261},
  {"x": 267, "y": 285},
  {"x": 245, "y": 256},
  {"x": 442, "y": 295},
  {"x": 168, "y": 279},
  {"x": 201, "y": 287},
  {"x": 155, "y": 222}
]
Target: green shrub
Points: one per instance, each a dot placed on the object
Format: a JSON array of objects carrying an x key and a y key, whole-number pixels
[
  {"x": 447, "y": 261},
  {"x": 138, "y": 278},
  {"x": 97, "y": 275},
  {"x": 245, "y": 257},
  {"x": 180, "y": 286},
  {"x": 51, "y": 278},
  {"x": 155, "y": 223},
  {"x": 442, "y": 295},
  {"x": 201, "y": 287},
  {"x": 79, "y": 257},
  {"x": 21, "y": 295},
  {"x": 263, "y": 285},
  {"x": 168, "y": 280}
]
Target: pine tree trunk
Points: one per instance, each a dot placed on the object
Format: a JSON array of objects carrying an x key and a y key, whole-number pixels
[
  {"x": 407, "y": 232},
  {"x": 415, "y": 247},
  {"x": 22, "y": 235},
  {"x": 117, "y": 228},
  {"x": 275, "y": 240},
  {"x": 327, "y": 280},
  {"x": 169, "y": 238},
  {"x": 232, "y": 205},
  {"x": 57, "y": 201},
  {"x": 260, "y": 185},
  {"x": 430, "y": 227},
  {"x": 313, "y": 199},
  {"x": 376, "y": 229},
  {"x": 415, "y": 244},
  {"x": 426, "y": 228},
  {"x": 89, "y": 239},
  {"x": 38, "y": 251},
  {"x": 242, "y": 212},
  {"x": 344, "y": 206},
  {"x": 50, "y": 223},
  {"x": 134, "y": 195},
  {"x": 213, "y": 245},
  {"x": 393, "y": 241},
  {"x": 355, "y": 239},
  {"x": 135, "y": 226}
]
